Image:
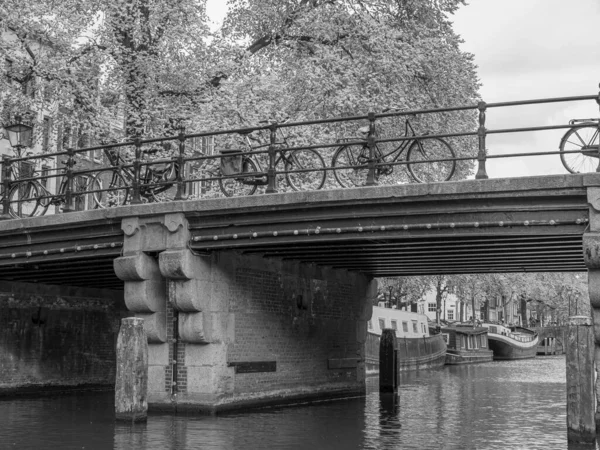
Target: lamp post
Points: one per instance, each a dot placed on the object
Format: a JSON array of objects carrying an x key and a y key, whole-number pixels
[{"x": 19, "y": 134}]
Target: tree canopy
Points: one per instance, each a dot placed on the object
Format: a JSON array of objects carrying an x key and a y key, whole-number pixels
[{"x": 299, "y": 59}]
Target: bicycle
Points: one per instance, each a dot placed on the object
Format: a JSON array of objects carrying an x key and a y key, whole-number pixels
[
  {"x": 32, "y": 198},
  {"x": 583, "y": 138},
  {"x": 241, "y": 173},
  {"x": 350, "y": 162},
  {"x": 155, "y": 181}
]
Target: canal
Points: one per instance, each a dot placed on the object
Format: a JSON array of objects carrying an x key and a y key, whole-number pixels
[{"x": 496, "y": 405}]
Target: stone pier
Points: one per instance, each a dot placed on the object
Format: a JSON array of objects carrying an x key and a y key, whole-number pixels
[
  {"x": 228, "y": 330},
  {"x": 591, "y": 252}
]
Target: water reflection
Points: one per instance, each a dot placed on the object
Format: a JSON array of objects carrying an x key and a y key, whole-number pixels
[{"x": 496, "y": 405}]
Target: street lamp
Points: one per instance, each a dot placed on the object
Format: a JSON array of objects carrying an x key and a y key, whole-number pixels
[{"x": 19, "y": 134}]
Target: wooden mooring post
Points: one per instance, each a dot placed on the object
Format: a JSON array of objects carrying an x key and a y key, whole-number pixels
[
  {"x": 581, "y": 425},
  {"x": 388, "y": 361},
  {"x": 131, "y": 384}
]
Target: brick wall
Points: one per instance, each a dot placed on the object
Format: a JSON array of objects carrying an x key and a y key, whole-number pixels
[
  {"x": 53, "y": 336},
  {"x": 299, "y": 316}
]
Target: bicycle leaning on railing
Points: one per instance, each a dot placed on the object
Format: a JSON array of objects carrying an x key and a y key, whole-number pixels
[
  {"x": 114, "y": 186},
  {"x": 29, "y": 196},
  {"x": 241, "y": 172},
  {"x": 428, "y": 159},
  {"x": 579, "y": 146}
]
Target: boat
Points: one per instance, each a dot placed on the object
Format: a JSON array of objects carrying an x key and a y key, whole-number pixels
[
  {"x": 466, "y": 344},
  {"x": 511, "y": 342},
  {"x": 418, "y": 347}
]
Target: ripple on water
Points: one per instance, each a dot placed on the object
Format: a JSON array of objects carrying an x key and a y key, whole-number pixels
[{"x": 496, "y": 405}]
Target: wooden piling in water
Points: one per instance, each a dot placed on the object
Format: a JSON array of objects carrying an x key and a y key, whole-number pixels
[
  {"x": 581, "y": 425},
  {"x": 388, "y": 361},
  {"x": 131, "y": 384}
]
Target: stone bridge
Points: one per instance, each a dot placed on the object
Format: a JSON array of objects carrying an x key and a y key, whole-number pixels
[{"x": 265, "y": 299}]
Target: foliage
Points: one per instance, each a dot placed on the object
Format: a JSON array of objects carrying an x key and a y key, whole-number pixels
[
  {"x": 402, "y": 290},
  {"x": 554, "y": 295}
]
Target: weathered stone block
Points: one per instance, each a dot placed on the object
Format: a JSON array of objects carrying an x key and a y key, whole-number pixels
[
  {"x": 591, "y": 250},
  {"x": 155, "y": 325},
  {"x": 136, "y": 267},
  {"x": 191, "y": 328},
  {"x": 214, "y": 380},
  {"x": 182, "y": 264},
  {"x": 145, "y": 296},
  {"x": 190, "y": 296},
  {"x": 156, "y": 379},
  {"x": 158, "y": 354},
  {"x": 206, "y": 355}
]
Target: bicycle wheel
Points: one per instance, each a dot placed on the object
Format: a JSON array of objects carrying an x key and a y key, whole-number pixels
[
  {"x": 585, "y": 141},
  {"x": 23, "y": 199},
  {"x": 351, "y": 155},
  {"x": 430, "y": 171},
  {"x": 305, "y": 159},
  {"x": 241, "y": 185},
  {"x": 116, "y": 193},
  {"x": 82, "y": 196}
]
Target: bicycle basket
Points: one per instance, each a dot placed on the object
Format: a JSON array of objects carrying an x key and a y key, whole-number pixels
[{"x": 231, "y": 162}]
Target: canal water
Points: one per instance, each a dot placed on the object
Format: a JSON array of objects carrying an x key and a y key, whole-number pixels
[{"x": 496, "y": 405}]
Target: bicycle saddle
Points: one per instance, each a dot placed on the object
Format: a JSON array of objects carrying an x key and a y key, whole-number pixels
[{"x": 364, "y": 130}]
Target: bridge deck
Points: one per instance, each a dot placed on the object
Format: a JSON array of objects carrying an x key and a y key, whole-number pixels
[{"x": 500, "y": 225}]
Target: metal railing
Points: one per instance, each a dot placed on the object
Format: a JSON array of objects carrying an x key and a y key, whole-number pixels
[{"x": 303, "y": 154}]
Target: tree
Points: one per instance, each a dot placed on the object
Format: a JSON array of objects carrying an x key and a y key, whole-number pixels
[
  {"x": 402, "y": 290},
  {"x": 142, "y": 54},
  {"x": 325, "y": 59}
]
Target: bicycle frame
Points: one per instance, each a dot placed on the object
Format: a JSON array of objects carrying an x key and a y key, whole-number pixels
[
  {"x": 148, "y": 176},
  {"x": 402, "y": 146}
]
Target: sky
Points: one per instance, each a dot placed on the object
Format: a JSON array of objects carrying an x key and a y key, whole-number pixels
[{"x": 526, "y": 49}]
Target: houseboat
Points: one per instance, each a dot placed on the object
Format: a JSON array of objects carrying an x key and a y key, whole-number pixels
[
  {"x": 466, "y": 345},
  {"x": 511, "y": 343},
  {"x": 417, "y": 347}
]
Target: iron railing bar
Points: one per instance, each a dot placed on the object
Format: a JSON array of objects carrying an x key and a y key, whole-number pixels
[
  {"x": 541, "y": 128},
  {"x": 542, "y": 101}
]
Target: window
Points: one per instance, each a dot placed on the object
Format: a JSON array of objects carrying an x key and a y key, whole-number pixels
[
  {"x": 423, "y": 329},
  {"x": 381, "y": 324},
  {"x": 394, "y": 325},
  {"x": 202, "y": 144},
  {"x": 415, "y": 329},
  {"x": 471, "y": 341},
  {"x": 446, "y": 338},
  {"x": 405, "y": 327},
  {"x": 483, "y": 341},
  {"x": 450, "y": 314},
  {"x": 370, "y": 324},
  {"x": 431, "y": 307}
]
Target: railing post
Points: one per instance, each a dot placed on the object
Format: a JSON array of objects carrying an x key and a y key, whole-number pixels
[
  {"x": 181, "y": 194},
  {"x": 371, "y": 179},
  {"x": 481, "y": 132},
  {"x": 598, "y": 101},
  {"x": 6, "y": 162},
  {"x": 271, "y": 172},
  {"x": 70, "y": 162},
  {"x": 137, "y": 165}
]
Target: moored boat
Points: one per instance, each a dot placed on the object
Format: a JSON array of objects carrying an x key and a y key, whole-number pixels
[
  {"x": 511, "y": 343},
  {"x": 466, "y": 345},
  {"x": 418, "y": 348}
]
